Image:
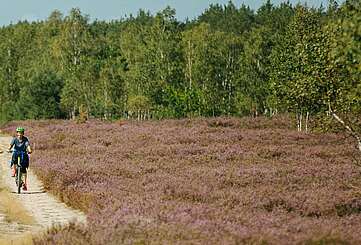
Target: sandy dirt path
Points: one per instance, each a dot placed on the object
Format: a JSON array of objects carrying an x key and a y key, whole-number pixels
[{"x": 43, "y": 207}]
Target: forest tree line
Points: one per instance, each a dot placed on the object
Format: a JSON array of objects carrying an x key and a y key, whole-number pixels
[{"x": 228, "y": 61}]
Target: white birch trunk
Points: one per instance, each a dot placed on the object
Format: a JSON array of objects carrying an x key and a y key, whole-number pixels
[
  {"x": 73, "y": 113},
  {"x": 299, "y": 122},
  {"x": 306, "y": 122},
  {"x": 349, "y": 129}
]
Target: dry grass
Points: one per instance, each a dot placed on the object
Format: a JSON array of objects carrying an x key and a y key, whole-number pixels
[
  {"x": 18, "y": 215},
  {"x": 12, "y": 214},
  {"x": 25, "y": 239}
]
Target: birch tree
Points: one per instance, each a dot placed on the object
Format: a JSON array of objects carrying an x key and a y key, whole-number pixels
[{"x": 75, "y": 46}]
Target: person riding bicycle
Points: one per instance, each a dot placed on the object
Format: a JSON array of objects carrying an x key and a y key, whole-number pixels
[{"x": 22, "y": 147}]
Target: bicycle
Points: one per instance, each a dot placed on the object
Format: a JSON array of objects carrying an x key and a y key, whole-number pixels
[{"x": 18, "y": 171}]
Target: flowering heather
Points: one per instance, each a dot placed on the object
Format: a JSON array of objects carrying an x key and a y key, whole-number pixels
[{"x": 199, "y": 181}]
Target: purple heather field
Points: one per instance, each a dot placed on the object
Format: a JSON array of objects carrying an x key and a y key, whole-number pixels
[{"x": 199, "y": 181}]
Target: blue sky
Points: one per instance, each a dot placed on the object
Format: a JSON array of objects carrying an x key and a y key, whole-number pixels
[{"x": 15, "y": 10}]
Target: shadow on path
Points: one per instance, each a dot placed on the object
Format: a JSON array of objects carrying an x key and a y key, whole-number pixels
[{"x": 29, "y": 192}]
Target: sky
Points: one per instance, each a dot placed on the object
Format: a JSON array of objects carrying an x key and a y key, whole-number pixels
[{"x": 12, "y": 11}]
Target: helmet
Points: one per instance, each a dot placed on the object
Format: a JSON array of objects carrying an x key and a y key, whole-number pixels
[{"x": 20, "y": 129}]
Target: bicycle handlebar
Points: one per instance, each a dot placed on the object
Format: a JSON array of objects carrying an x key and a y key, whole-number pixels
[{"x": 11, "y": 151}]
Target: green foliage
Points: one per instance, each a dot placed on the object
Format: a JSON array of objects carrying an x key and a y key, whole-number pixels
[
  {"x": 40, "y": 99},
  {"x": 228, "y": 18},
  {"x": 139, "y": 107},
  {"x": 345, "y": 55},
  {"x": 295, "y": 79},
  {"x": 151, "y": 47},
  {"x": 76, "y": 61},
  {"x": 317, "y": 66},
  {"x": 138, "y": 103},
  {"x": 212, "y": 68},
  {"x": 230, "y": 60}
]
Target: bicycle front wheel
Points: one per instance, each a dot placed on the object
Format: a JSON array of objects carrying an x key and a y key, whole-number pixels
[{"x": 18, "y": 176}]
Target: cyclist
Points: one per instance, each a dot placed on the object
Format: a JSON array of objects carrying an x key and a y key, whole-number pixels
[{"x": 21, "y": 146}]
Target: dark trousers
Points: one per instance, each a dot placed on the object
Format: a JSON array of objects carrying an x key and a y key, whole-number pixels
[{"x": 24, "y": 160}]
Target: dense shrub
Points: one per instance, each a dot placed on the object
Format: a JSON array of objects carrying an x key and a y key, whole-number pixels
[{"x": 201, "y": 181}]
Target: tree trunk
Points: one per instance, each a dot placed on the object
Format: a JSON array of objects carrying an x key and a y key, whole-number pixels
[
  {"x": 306, "y": 123},
  {"x": 190, "y": 64},
  {"x": 298, "y": 123},
  {"x": 73, "y": 113},
  {"x": 349, "y": 129}
]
